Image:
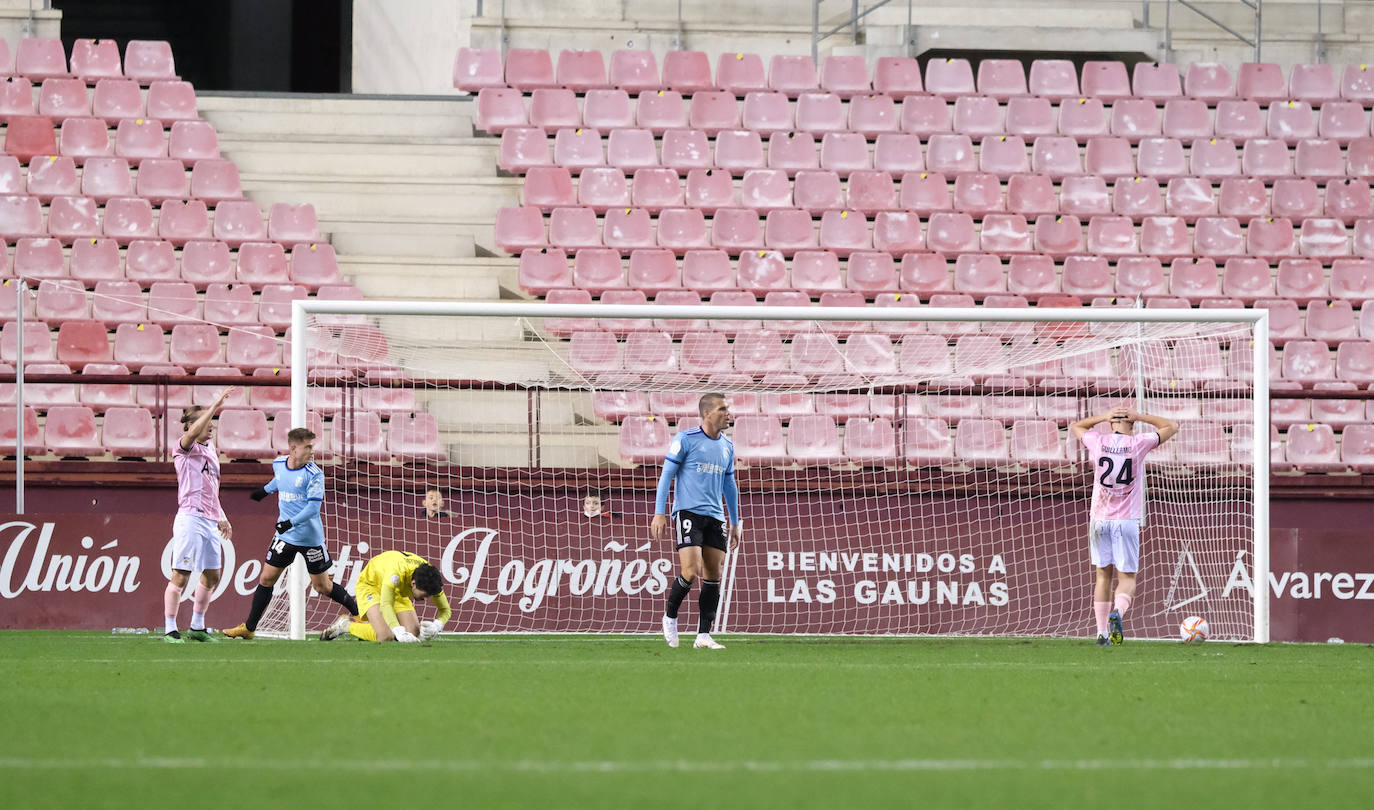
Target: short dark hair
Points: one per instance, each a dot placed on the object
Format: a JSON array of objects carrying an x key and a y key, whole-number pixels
[
  {"x": 427, "y": 579},
  {"x": 300, "y": 435},
  {"x": 707, "y": 402},
  {"x": 433, "y": 488},
  {"x": 191, "y": 414}
]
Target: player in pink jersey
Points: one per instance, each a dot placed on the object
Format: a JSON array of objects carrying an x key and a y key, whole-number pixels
[
  {"x": 1118, "y": 464},
  {"x": 200, "y": 520}
]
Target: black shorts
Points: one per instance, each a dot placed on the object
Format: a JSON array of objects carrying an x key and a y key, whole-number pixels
[
  {"x": 281, "y": 553},
  {"x": 699, "y": 530}
]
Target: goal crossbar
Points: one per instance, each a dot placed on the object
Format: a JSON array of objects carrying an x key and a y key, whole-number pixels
[{"x": 1257, "y": 319}]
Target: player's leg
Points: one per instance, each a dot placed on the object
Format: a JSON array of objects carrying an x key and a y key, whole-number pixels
[
  {"x": 211, "y": 560},
  {"x": 171, "y": 599},
  {"x": 318, "y": 563},
  {"x": 1100, "y": 553},
  {"x": 374, "y": 629},
  {"x": 279, "y": 556},
  {"x": 1126, "y": 548},
  {"x": 184, "y": 550},
  {"x": 409, "y": 621},
  {"x": 713, "y": 564},
  {"x": 687, "y": 531}
]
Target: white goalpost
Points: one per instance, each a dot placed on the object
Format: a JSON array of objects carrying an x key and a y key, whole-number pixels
[{"x": 905, "y": 469}]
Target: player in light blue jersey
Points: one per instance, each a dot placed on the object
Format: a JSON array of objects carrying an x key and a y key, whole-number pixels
[
  {"x": 299, "y": 484},
  {"x": 702, "y": 462}
]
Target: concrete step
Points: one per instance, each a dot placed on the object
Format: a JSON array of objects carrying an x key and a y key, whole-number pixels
[
  {"x": 472, "y": 199},
  {"x": 446, "y": 160},
  {"x": 404, "y": 237},
  {"x": 273, "y": 116},
  {"x": 418, "y": 278}
]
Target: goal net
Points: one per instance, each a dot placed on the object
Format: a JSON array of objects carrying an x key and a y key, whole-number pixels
[{"x": 903, "y": 470}]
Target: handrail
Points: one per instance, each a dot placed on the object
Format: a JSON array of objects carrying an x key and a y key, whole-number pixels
[{"x": 853, "y": 23}]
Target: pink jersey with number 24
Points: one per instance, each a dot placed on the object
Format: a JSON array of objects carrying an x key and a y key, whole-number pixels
[{"x": 1118, "y": 473}]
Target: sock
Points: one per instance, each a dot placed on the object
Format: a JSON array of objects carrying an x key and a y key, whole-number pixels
[
  {"x": 340, "y": 594},
  {"x": 1100, "y": 611},
  {"x": 200, "y": 601},
  {"x": 262, "y": 597},
  {"x": 676, "y": 595},
  {"x": 708, "y": 602},
  {"x": 1123, "y": 603},
  {"x": 170, "y": 599},
  {"x": 363, "y": 630}
]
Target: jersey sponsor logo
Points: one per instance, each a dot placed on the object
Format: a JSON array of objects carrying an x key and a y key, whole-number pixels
[
  {"x": 289, "y": 496},
  {"x": 708, "y": 468}
]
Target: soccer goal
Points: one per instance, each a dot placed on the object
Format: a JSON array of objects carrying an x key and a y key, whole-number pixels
[{"x": 904, "y": 469}]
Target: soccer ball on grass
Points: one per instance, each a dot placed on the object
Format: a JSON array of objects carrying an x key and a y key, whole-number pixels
[{"x": 1193, "y": 628}]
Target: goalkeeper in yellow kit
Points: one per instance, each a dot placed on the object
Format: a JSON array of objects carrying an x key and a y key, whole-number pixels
[{"x": 386, "y": 587}]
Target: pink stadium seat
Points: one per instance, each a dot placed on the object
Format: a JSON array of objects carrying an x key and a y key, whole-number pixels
[
  {"x": 707, "y": 271},
  {"x": 870, "y": 442},
  {"x": 9, "y": 432},
  {"x": 614, "y": 406},
  {"x": 870, "y": 354},
  {"x": 551, "y": 109},
  {"x": 1054, "y": 79},
  {"x": 137, "y": 345},
  {"x": 978, "y": 115},
  {"x": 815, "y": 272},
  {"x": 517, "y": 229},
  {"x": 478, "y": 68},
  {"x": 172, "y": 101},
  {"x": 1266, "y": 158},
  {"x": 1056, "y": 157},
  {"x": 16, "y": 98},
  {"x": 981, "y": 442},
  {"x": 415, "y": 437},
  {"x": 650, "y": 352},
  {"x": 924, "y": 192},
  {"x": 72, "y": 218},
  {"x": 687, "y": 72},
  {"x": 1319, "y": 158},
  {"x": 759, "y": 441},
  {"x": 1105, "y": 80},
  {"x": 1190, "y": 198},
  {"x": 842, "y": 232},
  {"x": 1162, "y": 158},
  {"x": 1357, "y": 445},
  {"x": 257, "y": 263},
  {"x": 1031, "y": 117},
  {"x": 705, "y": 353},
  {"x": 548, "y": 187},
  {"x": 740, "y": 73},
  {"x": 48, "y": 395},
  {"x": 712, "y": 111},
  {"x": 897, "y": 232},
  {"x": 41, "y": 58},
  {"x": 38, "y": 341},
  {"x": 601, "y": 188},
  {"x": 1307, "y": 362},
  {"x": 196, "y": 344},
  {"x": 792, "y": 74},
  {"x": 1186, "y": 119},
  {"x": 563, "y": 327},
  {"x": 816, "y": 354},
  {"x": 574, "y": 228},
  {"x": 522, "y": 148},
  {"x": 578, "y": 148},
  {"x": 870, "y": 273},
  {"x": 1001, "y": 78},
  {"x": 20, "y": 217},
  {"x": 1109, "y": 158},
  {"x": 238, "y": 221},
  {"x": 1209, "y": 81},
  {"x": 1197, "y": 361},
  {"x": 1348, "y": 200},
  {"x": 1291, "y": 120},
  {"x": 1087, "y": 276},
  {"x": 1342, "y": 121},
  {"x": 1333, "y": 322},
  {"x": 925, "y": 273},
  {"x": 656, "y": 189},
  {"x": 950, "y": 154},
  {"x": 1035, "y": 443},
  {"x": 1239, "y": 120},
  {"x": 1032, "y": 275},
  {"x": 644, "y": 439},
  {"x": 94, "y": 59},
  {"x": 70, "y": 432},
  {"x": 871, "y": 191},
  {"x": 791, "y": 151},
  {"x": 192, "y": 140},
  {"x": 1285, "y": 321},
  {"x": 925, "y": 115},
  {"x": 106, "y": 177},
  {"x": 1156, "y": 80},
  {"x": 274, "y": 304},
  {"x": 951, "y": 232},
  {"x": 29, "y": 135},
  {"x": 1218, "y": 237},
  {"x": 1111, "y": 236},
  {"x": 83, "y": 137},
  {"x": 682, "y": 229},
  {"x": 96, "y": 260},
  {"x": 897, "y": 76},
  {"x": 1003, "y": 155},
  {"x": 1140, "y": 276},
  {"x": 231, "y": 305},
  {"x": 1262, "y": 82},
  {"x": 360, "y": 436},
  {"x": 1137, "y": 197},
  {"x": 529, "y": 69},
  {"x": 207, "y": 262},
  {"x": 708, "y": 189},
  {"x": 1135, "y": 118},
  {"x": 634, "y": 71},
  {"x": 1006, "y": 233},
  {"x": 1312, "y": 448},
  {"x": 1194, "y": 279},
  {"x": 129, "y": 432},
  {"x": 165, "y": 179},
  {"x": 148, "y": 60},
  {"x": 597, "y": 270},
  {"x": 736, "y": 229},
  {"x": 1058, "y": 236},
  {"x": 1354, "y": 361},
  {"x": 686, "y": 149},
  {"x": 844, "y": 153},
  {"x": 949, "y": 78},
  {"x": 1302, "y": 280},
  {"x": 243, "y": 433},
  {"x": 1270, "y": 238},
  {"x": 814, "y": 441},
  {"x": 631, "y": 149},
  {"x": 820, "y": 113},
  {"x": 845, "y": 76},
  {"x": 759, "y": 352},
  {"x": 581, "y": 71},
  {"x": 39, "y": 258},
  {"x": 62, "y": 98},
  {"x": 737, "y": 151},
  {"x": 51, "y": 176},
  {"x": 178, "y": 221},
  {"x": 762, "y": 270},
  {"x": 1214, "y": 159},
  {"x": 542, "y": 270},
  {"x": 1323, "y": 238},
  {"x": 212, "y": 180},
  {"x": 1243, "y": 197},
  {"x": 82, "y": 341},
  {"x": 1314, "y": 84},
  {"x": 11, "y": 177},
  {"x": 1352, "y": 279},
  {"x": 654, "y": 271}
]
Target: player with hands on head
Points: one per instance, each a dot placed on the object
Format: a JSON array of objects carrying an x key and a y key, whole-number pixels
[
  {"x": 388, "y": 587},
  {"x": 1118, "y": 507},
  {"x": 702, "y": 463},
  {"x": 200, "y": 522},
  {"x": 299, "y": 484}
]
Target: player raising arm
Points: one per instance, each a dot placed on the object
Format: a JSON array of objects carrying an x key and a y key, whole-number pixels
[
  {"x": 386, "y": 587},
  {"x": 702, "y": 462},
  {"x": 200, "y": 520},
  {"x": 1118, "y": 506},
  {"x": 299, "y": 485}
]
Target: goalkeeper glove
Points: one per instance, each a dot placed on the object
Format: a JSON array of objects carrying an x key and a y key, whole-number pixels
[
  {"x": 430, "y": 629},
  {"x": 260, "y": 493},
  {"x": 283, "y": 526},
  {"x": 403, "y": 635}
]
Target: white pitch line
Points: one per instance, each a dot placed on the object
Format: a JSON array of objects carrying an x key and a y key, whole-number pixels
[
  {"x": 700, "y": 660},
  {"x": 684, "y": 766}
]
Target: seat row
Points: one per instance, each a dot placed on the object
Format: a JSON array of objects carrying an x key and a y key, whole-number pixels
[
  {"x": 169, "y": 303},
  {"x": 976, "y": 193},
  {"x": 111, "y": 100},
  {"x": 742, "y": 230},
  {"x": 815, "y": 272},
  {"x": 40, "y": 58},
  {"x": 194, "y": 346},
  {"x": 144, "y": 263},
  {"x": 126, "y": 219},
  {"x": 75, "y": 431},
  {"x": 737, "y": 151},
  {"x": 868, "y": 356},
  {"x": 815, "y": 440},
  {"x": 100, "y": 178},
  {"x": 27, "y": 137},
  {"x": 818, "y": 114},
  {"x": 739, "y": 73}
]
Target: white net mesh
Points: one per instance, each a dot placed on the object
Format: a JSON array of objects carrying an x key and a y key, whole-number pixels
[{"x": 896, "y": 477}]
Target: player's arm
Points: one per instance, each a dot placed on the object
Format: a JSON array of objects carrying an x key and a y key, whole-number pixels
[
  {"x": 1166, "y": 428},
  {"x": 194, "y": 429},
  {"x": 659, "y": 528},
  {"x": 444, "y": 612},
  {"x": 1086, "y": 424},
  {"x": 732, "y": 514},
  {"x": 266, "y": 489}
]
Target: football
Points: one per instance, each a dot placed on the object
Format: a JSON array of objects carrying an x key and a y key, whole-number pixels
[{"x": 1193, "y": 628}]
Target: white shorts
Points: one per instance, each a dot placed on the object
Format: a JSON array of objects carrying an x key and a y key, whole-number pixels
[
  {"x": 1115, "y": 543},
  {"x": 195, "y": 544}
]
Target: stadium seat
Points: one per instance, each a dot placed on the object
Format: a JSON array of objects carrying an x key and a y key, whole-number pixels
[
  {"x": 38, "y": 342},
  {"x": 1190, "y": 198},
  {"x": 1209, "y": 81},
  {"x": 95, "y": 260},
  {"x": 39, "y": 258},
  {"x": 1137, "y": 197},
  {"x": 1134, "y": 118},
  {"x": 253, "y": 347},
  {"x": 820, "y": 113},
  {"x": 71, "y": 218},
  {"x": 70, "y": 432},
  {"x": 478, "y": 68},
  {"x": 1348, "y": 200},
  {"x": 843, "y": 153},
  {"x": 415, "y": 437},
  {"x": 950, "y": 154},
  {"x": 1314, "y": 84},
  {"x": 687, "y": 71},
  {"x": 179, "y": 221},
  {"x": 1290, "y": 121},
  {"x": 171, "y": 101},
  {"x": 41, "y": 58},
  {"x": 792, "y": 151},
  {"x": 644, "y": 439},
  {"x": 981, "y": 442},
  {"x": 9, "y": 432},
  {"x": 951, "y": 232},
  {"x": 1054, "y": 79},
  {"x": 1218, "y": 237},
  {"x": 128, "y": 432},
  {"x": 81, "y": 138},
  {"x": 1307, "y": 362},
  {"x": 1187, "y": 120},
  {"x": 1035, "y": 444},
  {"x": 1342, "y": 121},
  {"x": 873, "y": 115},
  {"x": 63, "y": 98},
  {"x": 1243, "y": 197},
  {"x": 550, "y": 109},
  {"x": 1319, "y": 158},
  {"x": 1270, "y": 238},
  {"x": 650, "y": 352},
  {"x": 1031, "y": 118},
  {"x": 630, "y": 150},
  {"x": 190, "y": 141},
  {"x": 529, "y": 69},
  {"x": 257, "y": 263},
  {"x": 148, "y": 60},
  {"x": 1109, "y": 158},
  {"x": 1354, "y": 361},
  {"x": 1312, "y": 447},
  {"x": 16, "y": 99},
  {"x": 1003, "y": 156},
  {"x": 195, "y": 344},
  {"x": 212, "y": 180},
  {"x": 94, "y": 59},
  {"x": 62, "y": 299},
  {"x": 27, "y": 136},
  {"x": 243, "y": 433},
  {"x": 925, "y": 116},
  {"x": 581, "y": 71},
  {"x": 360, "y": 436},
  {"x": 634, "y": 71},
  {"x": 814, "y": 441},
  {"x": 1352, "y": 279},
  {"x": 1056, "y": 157},
  {"x": 44, "y": 395},
  {"x": 521, "y": 148},
  {"x": 82, "y": 341},
  {"x": 897, "y": 232},
  {"x": 1106, "y": 81},
  {"x": 1140, "y": 276},
  {"x": 1214, "y": 159},
  {"x": 597, "y": 270},
  {"x": 578, "y": 148},
  {"x": 230, "y": 305},
  {"x": 1194, "y": 278},
  {"x": 51, "y": 175},
  {"x": 978, "y": 116},
  {"x": 1357, "y": 446},
  {"x": 925, "y": 273},
  {"x": 1323, "y": 238}
]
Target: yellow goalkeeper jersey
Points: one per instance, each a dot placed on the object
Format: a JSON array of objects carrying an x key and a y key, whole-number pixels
[{"x": 388, "y": 575}]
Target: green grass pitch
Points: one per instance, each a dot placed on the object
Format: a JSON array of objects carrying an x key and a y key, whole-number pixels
[{"x": 126, "y": 721}]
